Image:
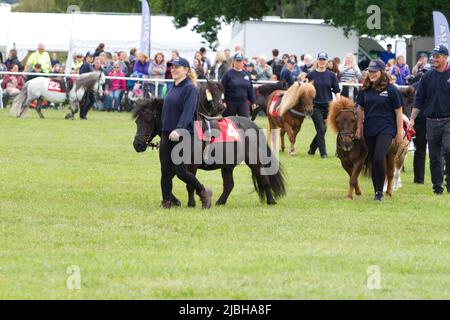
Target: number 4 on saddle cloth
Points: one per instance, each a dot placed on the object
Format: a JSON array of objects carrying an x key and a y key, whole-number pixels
[
  {"x": 274, "y": 109},
  {"x": 217, "y": 131}
]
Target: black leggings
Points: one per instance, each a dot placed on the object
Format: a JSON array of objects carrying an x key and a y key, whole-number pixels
[
  {"x": 168, "y": 168},
  {"x": 319, "y": 118},
  {"x": 86, "y": 103},
  {"x": 378, "y": 147}
]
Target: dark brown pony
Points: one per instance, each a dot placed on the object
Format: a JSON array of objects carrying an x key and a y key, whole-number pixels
[
  {"x": 353, "y": 152},
  {"x": 297, "y": 102}
]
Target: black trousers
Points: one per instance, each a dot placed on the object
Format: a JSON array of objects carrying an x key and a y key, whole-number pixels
[
  {"x": 438, "y": 135},
  {"x": 86, "y": 104},
  {"x": 237, "y": 109},
  {"x": 377, "y": 147},
  {"x": 420, "y": 142},
  {"x": 168, "y": 168},
  {"x": 319, "y": 118}
]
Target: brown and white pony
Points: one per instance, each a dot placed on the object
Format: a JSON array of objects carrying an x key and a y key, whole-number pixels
[{"x": 296, "y": 104}]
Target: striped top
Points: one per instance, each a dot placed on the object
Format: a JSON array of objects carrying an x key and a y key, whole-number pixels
[{"x": 349, "y": 74}]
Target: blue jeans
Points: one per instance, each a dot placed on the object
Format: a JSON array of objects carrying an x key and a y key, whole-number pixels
[{"x": 114, "y": 97}]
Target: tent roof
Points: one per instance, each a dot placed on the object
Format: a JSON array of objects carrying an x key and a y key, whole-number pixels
[{"x": 117, "y": 31}]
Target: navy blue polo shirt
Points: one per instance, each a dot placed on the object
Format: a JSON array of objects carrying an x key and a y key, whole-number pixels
[
  {"x": 238, "y": 87},
  {"x": 325, "y": 83},
  {"x": 379, "y": 110},
  {"x": 180, "y": 107},
  {"x": 287, "y": 76},
  {"x": 86, "y": 68},
  {"x": 433, "y": 94}
]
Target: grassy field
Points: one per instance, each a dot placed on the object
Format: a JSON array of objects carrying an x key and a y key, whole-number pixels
[{"x": 76, "y": 193}]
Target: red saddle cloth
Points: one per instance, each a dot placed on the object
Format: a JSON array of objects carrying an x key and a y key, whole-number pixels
[
  {"x": 228, "y": 132},
  {"x": 54, "y": 86},
  {"x": 274, "y": 109}
]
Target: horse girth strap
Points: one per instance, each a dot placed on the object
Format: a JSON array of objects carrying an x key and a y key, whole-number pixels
[{"x": 298, "y": 113}]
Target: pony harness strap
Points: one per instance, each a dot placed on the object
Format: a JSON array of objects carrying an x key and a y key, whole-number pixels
[
  {"x": 228, "y": 132},
  {"x": 54, "y": 86},
  {"x": 274, "y": 109}
]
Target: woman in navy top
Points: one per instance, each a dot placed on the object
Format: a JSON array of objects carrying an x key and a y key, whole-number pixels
[
  {"x": 326, "y": 83},
  {"x": 178, "y": 116},
  {"x": 238, "y": 89},
  {"x": 380, "y": 119}
]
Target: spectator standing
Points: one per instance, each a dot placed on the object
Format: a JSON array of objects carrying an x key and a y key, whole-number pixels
[
  {"x": 263, "y": 69},
  {"x": 40, "y": 56},
  {"x": 387, "y": 55},
  {"x": 220, "y": 67},
  {"x": 350, "y": 73},
  {"x": 12, "y": 60},
  {"x": 157, "y": 70},
  {"x": 276, "y": 64},
  {"x": 401, "y": 71},
  {"x": 115, "y": 89}
]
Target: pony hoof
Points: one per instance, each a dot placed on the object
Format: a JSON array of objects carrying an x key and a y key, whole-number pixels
[
  {"x": 220, "y": 203},
  {"x": 292, "y": 153},
  {"x": 271, "y": 203},
  {"x": 191, "y": 205},
  {"x": 348, "y": 197}
]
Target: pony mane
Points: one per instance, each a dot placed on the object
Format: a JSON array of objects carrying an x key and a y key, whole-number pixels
[
  {"x": 88, "y": 80},
  {"x": 336, "y": 107},
  {"x": 294, "y": 93},
  {"x": 142, "y": 105},
  {"x": 409, "y": 95}
]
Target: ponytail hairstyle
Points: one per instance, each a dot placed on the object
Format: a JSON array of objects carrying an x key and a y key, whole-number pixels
[{"x": 193, "y": 76}]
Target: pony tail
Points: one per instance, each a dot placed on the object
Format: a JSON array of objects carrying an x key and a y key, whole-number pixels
[
  {"x": 18, "y": 102},
  {"x": 193, "y": 76}
]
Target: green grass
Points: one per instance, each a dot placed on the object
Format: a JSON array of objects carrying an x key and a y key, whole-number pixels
[{"x": 76, "y": 193}]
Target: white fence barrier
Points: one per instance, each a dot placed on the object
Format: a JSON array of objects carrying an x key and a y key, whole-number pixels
[{"x": 157, "y": 82}]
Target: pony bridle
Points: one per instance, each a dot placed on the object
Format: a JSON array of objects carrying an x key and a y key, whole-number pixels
[
  {"x": 343, "y": 134},
  {"x": 148, "y": 137}
]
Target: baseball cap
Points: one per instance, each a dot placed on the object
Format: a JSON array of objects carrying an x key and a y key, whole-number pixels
[
  {"x": 441, "y": 49},
  {"x": 377, "y": 65},
  {"x": 322, "y": 56},
  {"x": 238, "y": 57},
  {"x": 179, "y": 62},
  {"x": 90, "y": 54}
]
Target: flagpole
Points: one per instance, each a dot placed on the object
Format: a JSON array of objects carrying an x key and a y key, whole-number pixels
[{"x": 72, "y": 9}]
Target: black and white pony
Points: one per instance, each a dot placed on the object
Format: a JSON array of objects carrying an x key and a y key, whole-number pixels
[{"x": 49, "y": 90}]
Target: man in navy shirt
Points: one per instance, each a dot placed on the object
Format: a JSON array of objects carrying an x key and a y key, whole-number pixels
[
  {"x": 433, "y": 98},
  {"x": 387, "y": 55}
]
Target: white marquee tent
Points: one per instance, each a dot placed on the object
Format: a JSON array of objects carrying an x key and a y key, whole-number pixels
[{"x": 24, "y": 31}]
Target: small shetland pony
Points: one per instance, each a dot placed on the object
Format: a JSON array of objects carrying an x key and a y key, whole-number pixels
[
  {"x": 296, "y": 104},
  {"x": 353, "y": 152}
]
